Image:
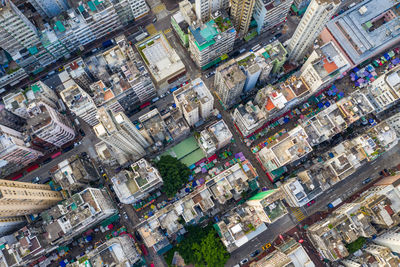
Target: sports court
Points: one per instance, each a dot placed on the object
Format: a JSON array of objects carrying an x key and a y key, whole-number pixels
[{"x": 187, "y": 151}]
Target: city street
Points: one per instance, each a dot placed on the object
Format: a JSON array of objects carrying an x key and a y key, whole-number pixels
[{"x": 343, "y": 189}]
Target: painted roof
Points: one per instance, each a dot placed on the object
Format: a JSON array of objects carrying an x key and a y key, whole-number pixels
[{"x": 262, "y": 195}]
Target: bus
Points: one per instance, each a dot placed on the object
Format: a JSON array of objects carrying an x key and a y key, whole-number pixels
[
  {"x": 16, "y": 177},
  {"x": 32, "y": 168},
  {"x": 145, "y": 105},
  {"x": 55, "y": 155}
]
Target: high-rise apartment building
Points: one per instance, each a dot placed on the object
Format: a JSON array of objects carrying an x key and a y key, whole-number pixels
[
  {"x": 79, "y": 102},
  {"x": 15, "y": 152},
  {"x": 10, "y": 120},
  {"x": 241, "y": 14},
  {"x": 390, "y": 239},
  {"x": 270, "y": 13},
  {"x": 18, "y": 198},
  {"x": 20, "y": 38},
  {"x": 49, "y": 8},
  {"x": 116, "y": 130},
  {"x": 209, "y": 43},
  {"x": 49, "y": 125},
  {"x": 195, "y": 101},
  {"x": 77, "y": 70},
  {"x": 204, "y": 8},
  {"x": 318, "y": 13},
  {"x": 229, "y": 81}
]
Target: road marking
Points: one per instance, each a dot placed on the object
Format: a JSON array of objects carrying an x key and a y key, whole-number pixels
[
  {"x": 159, "y": 8},
  {"x": 151, "y": 29},
  {"x": 298, "y": 214}
]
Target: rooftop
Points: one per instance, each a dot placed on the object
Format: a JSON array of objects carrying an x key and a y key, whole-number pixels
[
  {"x": 366, "y": 28},
  {"x": 206, "y": 33},
  {"x": 160, "y": 57},
  {"x": 190, "y": 96},
  {"x": 287, "y": 148},
  {"x": 231, "y": 74}
]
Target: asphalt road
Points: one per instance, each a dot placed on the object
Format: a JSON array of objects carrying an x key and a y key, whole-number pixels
[{"x": 343, "y": 189}]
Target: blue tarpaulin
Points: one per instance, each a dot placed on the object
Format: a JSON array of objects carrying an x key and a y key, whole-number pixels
[
  {"x": 327, "y": 104},
  {"x": 320, "y": 105}
]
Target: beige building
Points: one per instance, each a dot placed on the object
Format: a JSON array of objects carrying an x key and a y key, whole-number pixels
[
  {"x": 268, "y": 205},
  {"x": 195, "y": 101},
  {"x": 18, "y": 198},
  {"x": 241, "y": 14},
  {"x": 229, "y": 81}
]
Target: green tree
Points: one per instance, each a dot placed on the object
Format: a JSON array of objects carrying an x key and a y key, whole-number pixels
[
  {"x": 212, "y": 251},
  {"x": 201, "y": 247},
  {"x": 174, "y": 173}
]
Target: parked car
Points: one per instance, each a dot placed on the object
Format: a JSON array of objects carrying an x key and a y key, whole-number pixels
[
  {"x": 82, "y": 132},
  {"x": 310, "y": 203},
  {"x": 144, "y": 249},
  {"x": 255, "y": 253},
  {"x": 366, "y": 181},
  {"x": 36, "y": 180},
  {"x": 244, "y": 261}
]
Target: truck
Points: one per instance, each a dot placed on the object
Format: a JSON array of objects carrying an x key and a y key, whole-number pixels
[{"x": 334, "y": 203}]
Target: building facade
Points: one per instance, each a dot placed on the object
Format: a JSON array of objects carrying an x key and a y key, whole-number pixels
[
  {"x": 241, "y": 14},
  {"x": 116, "y": 130},
  {"x": 204, "y": 8},
  {"x": 318, "y": 13},
  {"x": 270, "y": 13},
  {"x": 19, "y": 198}
]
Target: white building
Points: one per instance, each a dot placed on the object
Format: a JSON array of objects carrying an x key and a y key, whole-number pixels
[
  {"x": 132, "y": 186},
  {"x": 118, "y": 251},
  {"x": 195, "y": 101},
  {"x": 18, "y": 102},
  {"x": 79, "y": 102},
  {"x": 116, "y": 130},
  {"x": 294, "y": 193},
  {"x": 210, "y": 42},
  {"x": 76, "y": 214},
  {"x": 270, "y": 13},
  {"x": 248, "y": 118},
  {"x": 15, "y": 150},
  {"x": 318, "y": 13},
  {"x": 163, "y": 63},
  {"x": 214, "y": 137},
  {"x": 19, "y": 37},
  {"x": 390, "y": 239},
  {"x": 49, "y": 125},
  {"x": 204, "y": 8},
  {"x": 323, "y": 66},
  {"x": 385, "y": 90}
]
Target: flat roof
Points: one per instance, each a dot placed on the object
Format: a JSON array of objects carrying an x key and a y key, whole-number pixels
[
  {"x": 367, "y": 27},
  {"x": 160, "y": 57}
]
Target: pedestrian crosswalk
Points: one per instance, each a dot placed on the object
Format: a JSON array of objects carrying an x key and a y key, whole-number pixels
[
  {"x": 157, "y": 9},
  {"x": 298, "y": 214}
]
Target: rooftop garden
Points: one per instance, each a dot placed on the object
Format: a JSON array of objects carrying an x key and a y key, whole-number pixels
[
  {"x": 244, "y": 61},
  {"x": 223, "y": 23}
]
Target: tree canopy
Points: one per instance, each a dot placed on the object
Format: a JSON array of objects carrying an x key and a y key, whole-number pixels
[
  {"x": 174, "y": 173},
  {"x": 201, "y": 247}
]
